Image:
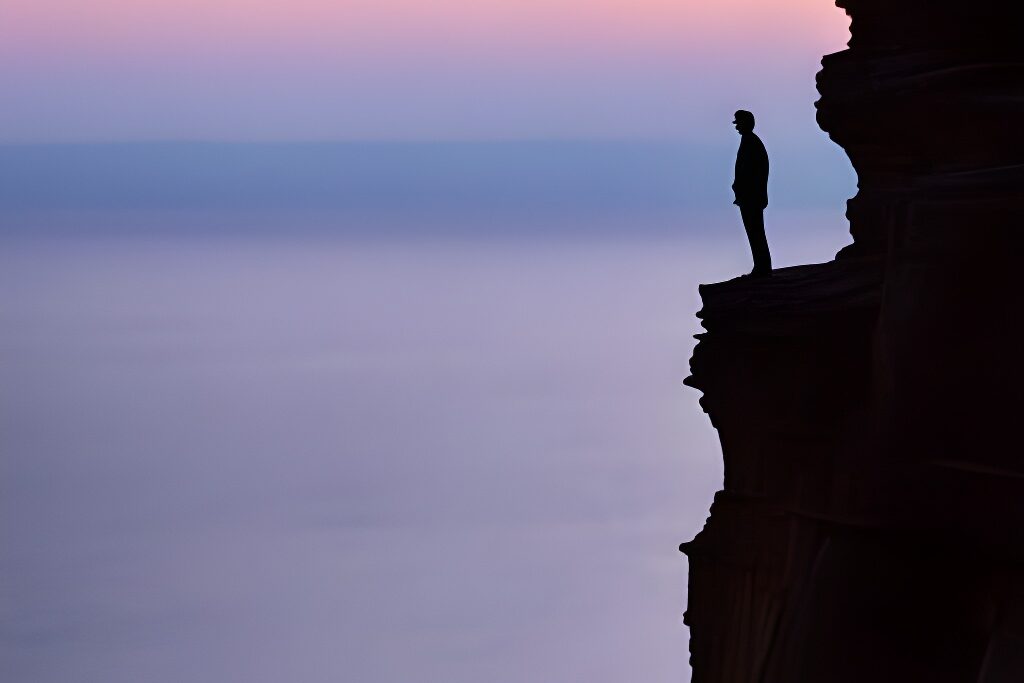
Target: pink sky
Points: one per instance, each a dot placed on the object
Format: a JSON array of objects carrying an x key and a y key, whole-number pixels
[{"x": 313, "y": 69}]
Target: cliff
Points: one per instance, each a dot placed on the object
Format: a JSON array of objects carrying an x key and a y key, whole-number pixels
[{"x": 871, "y": 522}]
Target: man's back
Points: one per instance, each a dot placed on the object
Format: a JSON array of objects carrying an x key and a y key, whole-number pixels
[{"x": 751, "y": 186}]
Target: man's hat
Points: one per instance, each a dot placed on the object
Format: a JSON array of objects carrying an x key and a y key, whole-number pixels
[{"x": 744, "y": 116}]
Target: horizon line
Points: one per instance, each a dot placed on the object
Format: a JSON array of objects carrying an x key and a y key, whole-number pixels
[{"x": 347, "y": 141}]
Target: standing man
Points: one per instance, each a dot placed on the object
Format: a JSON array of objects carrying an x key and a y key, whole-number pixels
[{"x": 751, "y": 188}]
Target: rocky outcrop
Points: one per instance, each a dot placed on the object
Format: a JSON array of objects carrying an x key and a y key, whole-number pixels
[{"x": 871, "y": 523}]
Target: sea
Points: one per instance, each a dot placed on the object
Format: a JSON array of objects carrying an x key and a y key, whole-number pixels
[{"x": 362, "y": 413}]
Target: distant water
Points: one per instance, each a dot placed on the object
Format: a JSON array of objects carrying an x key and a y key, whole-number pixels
[
  {"x": 463, "y": 189},
  {"x": 288, "y": 456}
]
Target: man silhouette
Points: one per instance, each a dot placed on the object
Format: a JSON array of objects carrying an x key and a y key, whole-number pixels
[{"x": 751, "y": 189}]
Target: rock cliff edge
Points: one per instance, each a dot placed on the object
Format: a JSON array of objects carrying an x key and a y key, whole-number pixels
[{"x": 871, "y": 522}]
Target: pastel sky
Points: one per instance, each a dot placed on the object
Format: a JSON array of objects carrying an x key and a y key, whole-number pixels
[{"x": 100, "y": 70}]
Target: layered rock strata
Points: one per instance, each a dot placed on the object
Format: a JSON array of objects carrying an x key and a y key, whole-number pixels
[{"x": 871, "y": 523}]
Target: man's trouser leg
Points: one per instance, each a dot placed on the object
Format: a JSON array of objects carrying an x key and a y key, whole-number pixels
[{"x": 753, "y": 223}]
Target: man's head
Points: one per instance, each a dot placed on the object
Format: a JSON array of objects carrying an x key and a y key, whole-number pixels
[{"x": 744, "y": 121}]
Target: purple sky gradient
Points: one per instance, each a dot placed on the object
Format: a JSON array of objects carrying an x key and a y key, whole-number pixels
[{"x": 254, "y": 70}]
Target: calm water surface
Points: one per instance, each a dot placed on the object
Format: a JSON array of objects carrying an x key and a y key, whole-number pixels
[{"x": 311, "y": 459}]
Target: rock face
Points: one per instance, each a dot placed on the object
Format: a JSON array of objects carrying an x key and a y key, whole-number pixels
[{"x": 871, "y": 525}]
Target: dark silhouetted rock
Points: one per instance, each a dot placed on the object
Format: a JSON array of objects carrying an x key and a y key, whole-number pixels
[{"x": 871, "y": 526}]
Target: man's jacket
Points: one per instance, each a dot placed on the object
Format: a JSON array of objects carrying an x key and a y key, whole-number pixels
[{"x": 751, "y": 185}]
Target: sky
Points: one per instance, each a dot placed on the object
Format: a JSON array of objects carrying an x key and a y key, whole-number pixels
[
  {"x": 313, "y": 70},
  {"x": 416, "y": 459}
]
